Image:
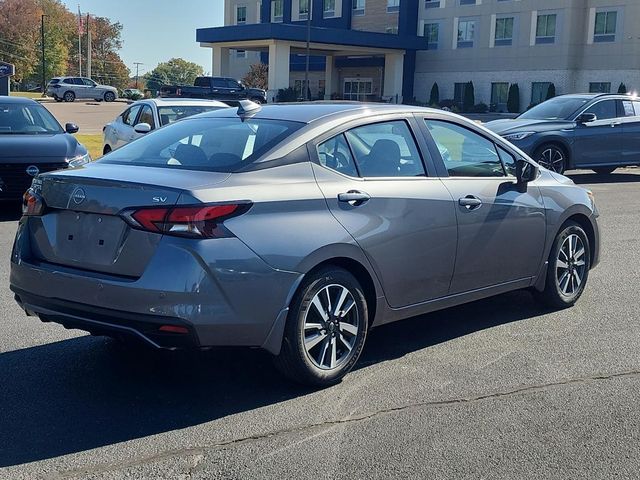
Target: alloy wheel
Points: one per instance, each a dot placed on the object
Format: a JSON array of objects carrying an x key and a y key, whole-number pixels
[
  {"x": 552, "y": 158},
  {"x": 570, "y": 265},
  {"x": 331, "y": 326}
]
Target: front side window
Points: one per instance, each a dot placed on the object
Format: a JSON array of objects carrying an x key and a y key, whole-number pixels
[
  {"x": 146, "y": 116},
  {"x": 16, "y": 119},
  {"x": 466, "y": 33},
  {"x": 600, "y": 87},
  {"x": 464, "y": 152},
  {"x": 277, "y": 11},
  {"x": 358, "y": 7},
  {"x": 88, "y": 82},
  {"x": 329, "y": 9},
  {"x": 241, "y": 14},
  {"x": 393, "y": 6},
  {"x": 504, "y": 31},
  {"x": 432, "y": 35},
  {"x": 205, "y": 143},
  {"x": 546, "y": 28},
  {"x": 605, "y": 28},
  {"x": 385, "y": 149},
  {"x": 508, "y": 160},
  {"x": 603, "y": 110},
  {"x": 335, "y": 154},
  {"x": 129, "y": 116}
]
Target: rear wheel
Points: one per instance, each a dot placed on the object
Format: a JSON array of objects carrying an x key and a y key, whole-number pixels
[
  {"x": 604, "y": 170},
  {"x": 551, "y": 157},
  {"x": 109, "y": 97},
  {"x": 69, "y": 96},
  {"x": 326, "y": 328},
  {"x": 568, "y": 270}
]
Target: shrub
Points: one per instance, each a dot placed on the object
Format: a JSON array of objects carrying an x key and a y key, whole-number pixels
[
  {"x": 480, "y": 108},
  {"x": 288, "y": 94},
  {"x": 513, "y": 101},
  {"x": 434, "y": 97},
  {"x": 469, "y": 98},
  {"x": 448, "y": 103},
  {"x": 622, "y": 88},
  {"x": 551, "y": 91}
]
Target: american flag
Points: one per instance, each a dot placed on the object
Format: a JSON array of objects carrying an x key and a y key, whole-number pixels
[{"x": 80, "y": 22}]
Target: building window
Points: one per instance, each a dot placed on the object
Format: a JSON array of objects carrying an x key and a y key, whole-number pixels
[
  {"x": 539, "y": 91},
  {"x": 466, "y": 33},
  {"x": 393, "y": 6},
  {"x": 358, "y": 7},
  {"x": 329, "y": 9},
  {"x": 546, "y": 28},
  {"x": 241, "y": 54},
  {"x": 241, "y": 14},
  {"x": 277, "y": 10},
  {"x": 431, "y": 3},
  {"x": 467, "y": 2},
  {"x": 431, "y": 34},
  {"x": 298, "y": 86},
  {"x": 600, "y": 87},
  {"x": 357, "y": 89},
  {"x": 303, "y": 10},
  {"x": 458, "y": 93},
  {"x": 605, "y": 29},
  {"x": 499, "y": 95},
  {"x": 392, "y": 30},
  {"x": 504, "y": 31}
]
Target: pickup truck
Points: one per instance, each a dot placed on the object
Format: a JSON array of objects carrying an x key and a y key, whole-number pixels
[{"x": 223, "y": 89}]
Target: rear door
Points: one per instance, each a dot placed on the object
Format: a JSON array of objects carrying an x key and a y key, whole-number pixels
[
  {"x": 630, "y": 132},
  {"x": 501, "y": 228},
  {"x": 374, "y": 180},
  {"x": 599, "y": 142}
]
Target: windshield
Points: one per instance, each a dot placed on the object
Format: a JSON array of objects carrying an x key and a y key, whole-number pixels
[
  {"x": 559, "y": 108},
  {"x": 26, "y": 119},
  {"x": 212, "y": 144},
  {"x": 177, "y": 112}
]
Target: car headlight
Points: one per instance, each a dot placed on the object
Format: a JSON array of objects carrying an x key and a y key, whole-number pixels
[
  {"x": 78, "y": 160},
  {"x": 517, "y": 136}
]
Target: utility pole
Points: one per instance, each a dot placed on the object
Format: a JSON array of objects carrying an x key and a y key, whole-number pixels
[
  {"x": 43, "y": 64},
  {"x": 88, "y": 48},
  {"x": 306, "y": 67},
  {"x": 79, "y": 42},
  {"x": 137, "y": 64}
]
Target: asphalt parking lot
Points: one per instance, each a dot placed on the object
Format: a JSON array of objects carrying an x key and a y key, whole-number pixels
[
  {"x": 90, "y": 116},
  {"x": 498, "y": 389}
]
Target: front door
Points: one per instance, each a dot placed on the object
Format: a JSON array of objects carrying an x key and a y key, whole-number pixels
[
  {"x": 357, "y": 89},
  {"x": 599, "y": 142},
  {"x": 501, "y": 227},
  {"x": 375, "y": 184}
]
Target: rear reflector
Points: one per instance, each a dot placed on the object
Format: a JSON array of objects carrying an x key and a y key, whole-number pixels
[
  {"x": 194, "y": 221},
  {"x": 173, "y": 329}
]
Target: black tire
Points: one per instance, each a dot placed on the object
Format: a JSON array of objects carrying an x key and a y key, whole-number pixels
[
  {"x": 305, "y": 364},
  {"x": 552, "y": 157},
  {"x": 604, "y": 170},
  {"x": 554, "y": 294},
  {"x": 69, "y": 97},
  {"x": 109, "y": 97},
  {"x": 106, "y": 149}
]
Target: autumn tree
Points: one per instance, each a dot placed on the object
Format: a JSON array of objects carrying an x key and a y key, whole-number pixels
[
  {"x": 19, "y": 35},
  {"x": 176, "y": 71},
  {"x": 257, "y": 76}
]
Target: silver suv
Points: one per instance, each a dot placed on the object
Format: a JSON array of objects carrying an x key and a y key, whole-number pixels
[{"x": 70, "y": 88}]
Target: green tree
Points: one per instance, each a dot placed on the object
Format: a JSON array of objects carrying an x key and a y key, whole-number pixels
[
  {"x": 106, "y": 65},
  {"x": 176, "y": 71},
  {"x": 622, "y": 88},
  {"x": 257, "y": 76},
  {"x": 513, "y": 100},
  {"x": 469, "y": 98},
  {"x": 434, "y": 97},
  {"x": 20, "y": 35},
  {"x": 551, "y": 91}
]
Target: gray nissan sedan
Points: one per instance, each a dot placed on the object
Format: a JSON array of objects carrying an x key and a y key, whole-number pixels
[{"x": 297, "y": 228}]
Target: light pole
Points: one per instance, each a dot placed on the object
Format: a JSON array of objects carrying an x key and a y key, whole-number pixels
[
  {"x": 137, "y": 64},
  {"x": 306, "y": 67},
  {"x": 43, "y": 65}
]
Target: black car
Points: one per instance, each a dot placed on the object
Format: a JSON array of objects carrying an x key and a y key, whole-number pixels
[
  {"x": 223, "y": 89},
  {"x": 596, "y": 131},
  {"x": 31, "y": 142}
]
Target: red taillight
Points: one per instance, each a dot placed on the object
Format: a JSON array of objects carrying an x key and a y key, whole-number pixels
[
  {"x": 173, "y": 329},
  {"x": 32, "y": 204},
  {"x": 201, "y": 221}
]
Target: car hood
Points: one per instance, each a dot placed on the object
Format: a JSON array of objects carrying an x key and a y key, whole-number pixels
[
  {"x": 513, "y": 125},
  {"x": 32, "y": 147}
]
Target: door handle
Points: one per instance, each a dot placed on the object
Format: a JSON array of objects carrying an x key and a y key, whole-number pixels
[
  {"x": 470, "y": 202},
  {"x": 615, "y": 124},
  {"x": 353, "y": 197}
]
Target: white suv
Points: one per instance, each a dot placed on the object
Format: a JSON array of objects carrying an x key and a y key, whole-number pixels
[{"x": 70, "y": 88}]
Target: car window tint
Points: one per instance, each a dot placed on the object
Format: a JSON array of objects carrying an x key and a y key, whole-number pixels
[
  {"x": 385, "y": 149},
  {"x": 335, "y": 154},
  {"x": 233, "y": 84},
  {"x": 146, "y": 116},
  {"x": 627, "y": 108},
  {"x": 219, "y": 83},
  {"x": 68, "y": 81},
  {"x": 603, "y": 110},
  {"x": 87, "y": 82},
  {"x": 464, "y": 152},
  {"x": 78, "y": 81},
  {"x": 508, "y": 160},
  {"x": 129, "y": 117}
]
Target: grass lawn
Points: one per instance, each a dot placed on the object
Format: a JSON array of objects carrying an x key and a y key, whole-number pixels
[
  {"x": 92, "y": 142},
  {"x": 34, "y": 95}
]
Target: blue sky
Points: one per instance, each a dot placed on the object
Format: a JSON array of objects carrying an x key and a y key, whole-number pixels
[{"x": 156, "y": 30}]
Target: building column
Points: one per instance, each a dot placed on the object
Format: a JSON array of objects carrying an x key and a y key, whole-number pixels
[
  {"x": 219, "y": 62},
  {"x": 278, "y": 69},
  {"x": 330, "y": 78},
  {"x": 393, "y": 67}
]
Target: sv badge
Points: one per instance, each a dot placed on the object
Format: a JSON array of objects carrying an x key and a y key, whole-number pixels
[{"x": 160, "y": 199}]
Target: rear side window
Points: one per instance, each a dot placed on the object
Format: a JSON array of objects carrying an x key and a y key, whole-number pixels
[
  {"x": 68, "y": 81},
  {"x": 204, "y": 143},
  {"x": 385, "y": 149},
  {"x": 636, "y": 107},
  {"x": 335, "y": 154},
  {"x": 627, "y": 109},
  {"x": 465, "y": 153}
]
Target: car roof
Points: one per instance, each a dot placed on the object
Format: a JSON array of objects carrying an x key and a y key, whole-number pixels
[
  {"x": 308, "y": 112},
  {"x": 591, "y": 96},
  {"x": 17, "y": 100},
  {"x": 189, "y": 102}
]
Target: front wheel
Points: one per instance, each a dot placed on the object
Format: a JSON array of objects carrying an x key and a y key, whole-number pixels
[
  {"x": 551, "y": 157},
  {"x": 326, "y": 329},
  {"x": 69, "y": 96},
  {"x": 604, "y": 170},
  {"x": 568, "y": 270}
]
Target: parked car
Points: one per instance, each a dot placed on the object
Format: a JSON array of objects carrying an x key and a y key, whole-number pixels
[
  {"x": 32, "y": 142},
  {"x": 146, "y": 115},
  {"x": 224, "y": 89},
  {"x": 297, "y": 228},
  {"x": 71, "y": 88},
  {"x": 132, "y": 94},
  {"x": 596, "y": 131}
]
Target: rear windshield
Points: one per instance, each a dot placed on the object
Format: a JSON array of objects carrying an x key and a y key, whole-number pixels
[
  {"x": 178, "y": 112},
  {"x": 29, "y": 119},
  {"x": 212, "y": 144}
]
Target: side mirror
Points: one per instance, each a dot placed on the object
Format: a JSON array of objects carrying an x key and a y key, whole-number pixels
[
  {"x": 71, "y": 128},
  {"x": 142, "y": 128},
  {"x": 586, "y": 118},
  {"x": 525, "y": 172}
]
